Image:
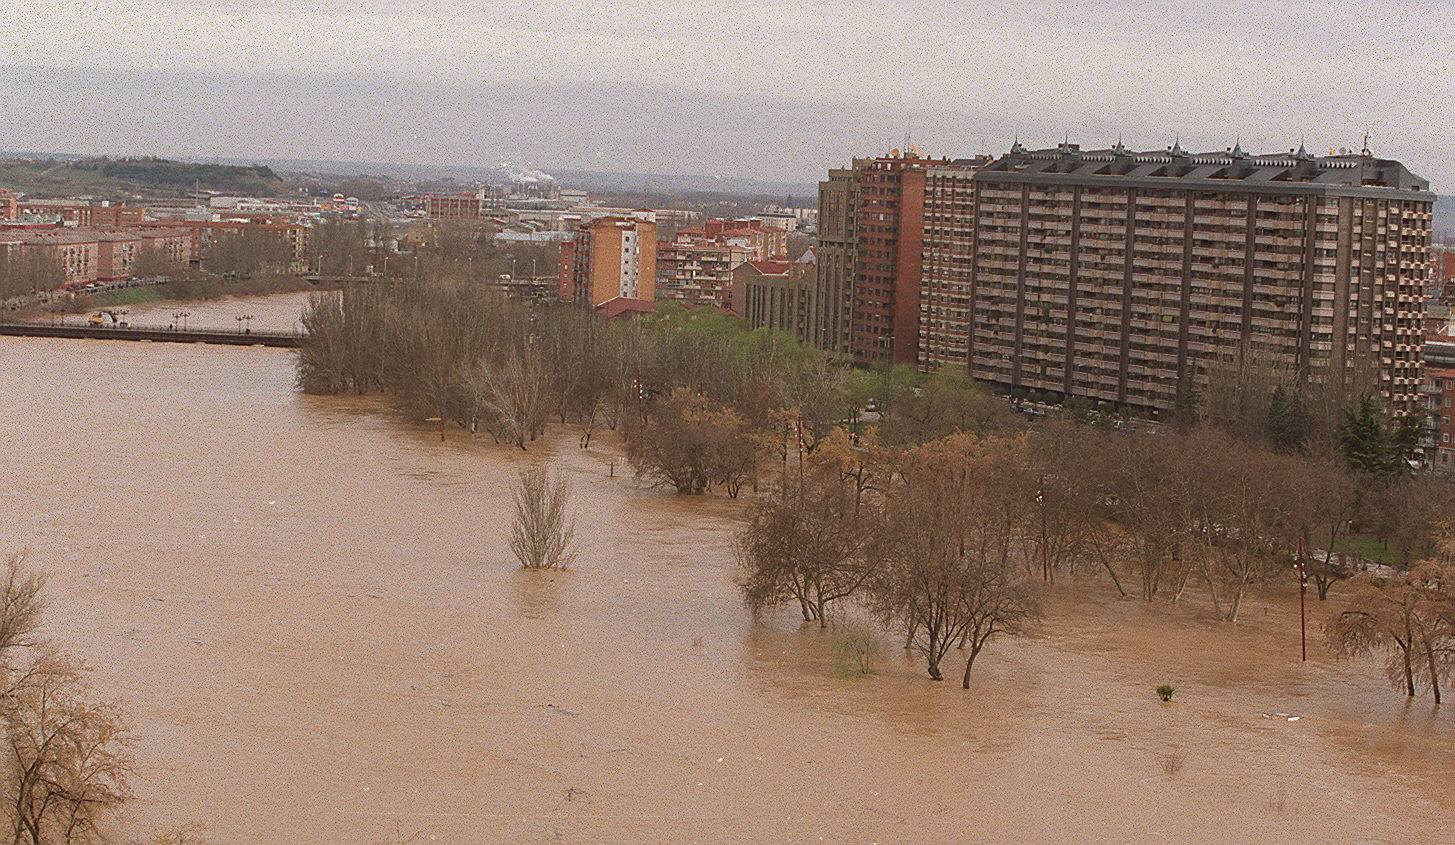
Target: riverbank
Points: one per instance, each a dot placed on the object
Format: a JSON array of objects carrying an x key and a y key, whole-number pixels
[{"x": 189, "y": 290}]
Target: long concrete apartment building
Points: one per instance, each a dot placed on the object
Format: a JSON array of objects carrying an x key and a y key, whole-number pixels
[{"x": 1117, "y": 275}]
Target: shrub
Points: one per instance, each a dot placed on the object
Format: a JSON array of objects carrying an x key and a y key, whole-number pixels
[
  {"x": 1165, "y": 692},
  {"x": 541, "y": 535},
  {"x": 857, "y": 648}
]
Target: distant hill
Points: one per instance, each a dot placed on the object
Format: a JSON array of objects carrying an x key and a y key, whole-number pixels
[
  {"x": 587, "y": 180},
  {"x": 126, "y": 177}
]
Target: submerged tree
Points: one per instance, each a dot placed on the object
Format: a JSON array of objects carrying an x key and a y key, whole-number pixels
[
  {"x": 67, "y": 761},
  {"x": 948, "y": 578},
  {"x": 541, "y": 535},
  {"x": 1410, "y": 617},
  {"x": 808, "y": 541}
]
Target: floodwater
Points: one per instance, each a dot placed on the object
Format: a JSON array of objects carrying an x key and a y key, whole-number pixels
[{"x": 310, "y": 611}]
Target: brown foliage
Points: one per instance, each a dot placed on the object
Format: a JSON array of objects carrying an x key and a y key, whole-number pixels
[
  {"x": 67, "y": 761},
  {"x": 691, "y": 442}
]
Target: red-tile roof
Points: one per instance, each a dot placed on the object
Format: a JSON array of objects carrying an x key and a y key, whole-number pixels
[{"x": 621, "y": 306}]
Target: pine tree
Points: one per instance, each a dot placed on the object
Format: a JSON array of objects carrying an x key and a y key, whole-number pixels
[
  {"x": 1404, "y": 440},
  {"x": 1289, "y": 424},
  {"x": 1363, "y": 441}
]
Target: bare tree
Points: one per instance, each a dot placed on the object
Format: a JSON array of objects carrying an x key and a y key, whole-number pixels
[
  {"x": 948, "y": 577},
  {"x": 1410, "y": 617},
  {"x": 68, "y": 762},
  {"x": 807, "y": 541},
  {"x": 21, "y": 604},
  {"x": 1323, "y": 504},
  {"x": 688, "y": 441},
  {"x": 541, "y": 535},
  {"x": 517, "y": 397}
]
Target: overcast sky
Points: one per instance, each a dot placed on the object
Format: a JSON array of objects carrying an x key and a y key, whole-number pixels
[{"x": 766, "y": 89}]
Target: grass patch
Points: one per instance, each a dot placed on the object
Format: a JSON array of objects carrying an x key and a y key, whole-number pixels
[
  {"x": 856, "y": 649},
  {"x": 129, "y": 296},
  {"x": 1370, "y": 549}
]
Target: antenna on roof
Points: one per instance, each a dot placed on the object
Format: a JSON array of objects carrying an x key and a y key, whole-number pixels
[{"x": 1366, "y": 151}]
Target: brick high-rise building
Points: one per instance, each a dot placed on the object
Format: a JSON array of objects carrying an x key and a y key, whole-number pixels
[
  {"x": 884, "y": 317},
  {"x": 888, "y": 225},
  {"x": 1117, "y": 275},
  {"x": 611, "y": 258}
]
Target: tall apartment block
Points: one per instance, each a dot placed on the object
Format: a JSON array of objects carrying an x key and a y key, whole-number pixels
[
  {"x": 889, "y": 229},
  {"x": 893, "y": 230},
  {"x": 610, "y": 258},
  {"x": 1111, "y": 274},
  {"x": 948, "y": 243},
  {"x": 836, "y": 247}
]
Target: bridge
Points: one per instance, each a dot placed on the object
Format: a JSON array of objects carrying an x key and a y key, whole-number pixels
[{"x": 156, "y": 334}]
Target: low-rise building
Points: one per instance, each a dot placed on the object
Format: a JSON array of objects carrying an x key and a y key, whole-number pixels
[
  {"x": 1439, "y": 390},
  {"x": 455, "y": 206},
  {"x": 776, "y": 295},
  {"x": 205, "y": 233},
  {"x": 696, "y": 267},
  {"x": 96, "y": 255},
  {"x": 82, "y": 213}
]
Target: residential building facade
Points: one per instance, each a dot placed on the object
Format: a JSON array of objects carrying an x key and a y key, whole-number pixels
[
  {"x": 945, "y": 266},
  {"x": 890, "y": 229},
  {"x": 696, "y": 266},
  {"x": 92, "y": 255},
  {"x": 610, "y": 258},
  {"x": 1118, "y": 276},
  {"x": 836, "y": 249},
  {"x": 776, "y": 295},
  {"x": 1439, "y": 390}
]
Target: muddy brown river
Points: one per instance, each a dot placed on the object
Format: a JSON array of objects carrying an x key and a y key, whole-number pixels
[{"x": 309, "y": 609}]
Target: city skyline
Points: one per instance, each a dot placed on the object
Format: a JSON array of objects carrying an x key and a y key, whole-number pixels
[{"x": 772, "y": 92}]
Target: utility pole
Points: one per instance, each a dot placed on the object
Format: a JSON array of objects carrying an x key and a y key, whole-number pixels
[
  {"x": 1302, "y": 606},
  {"x": 1041, "y": 506}
]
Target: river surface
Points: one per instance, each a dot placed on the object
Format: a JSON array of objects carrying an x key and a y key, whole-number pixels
[{"x": 310, "y": 611}]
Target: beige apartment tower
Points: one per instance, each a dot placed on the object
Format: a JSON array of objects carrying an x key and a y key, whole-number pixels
[{"x": 1120, "y": 276}]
